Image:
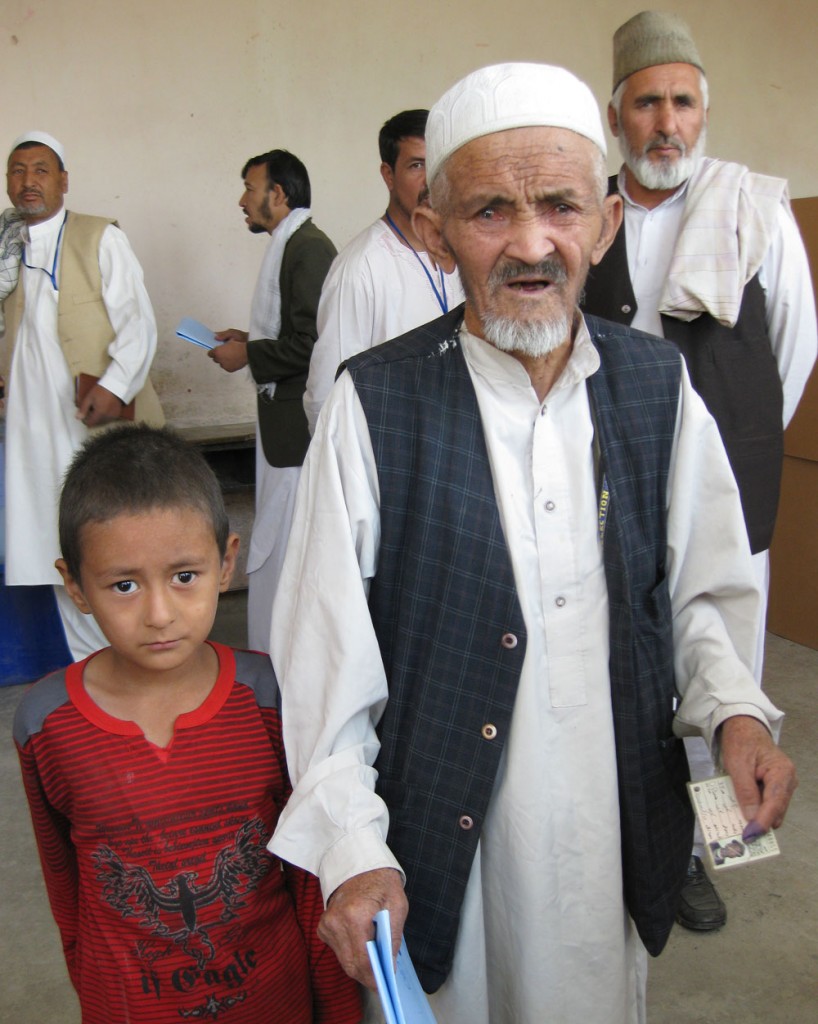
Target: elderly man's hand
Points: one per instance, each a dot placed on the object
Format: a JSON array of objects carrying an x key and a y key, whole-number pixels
[
  {"x": 347, "y": 926},
  {"x": 99, "y": 406},
  {"x": 231, "y": 355},
  {"x": 763, "y": 776}
]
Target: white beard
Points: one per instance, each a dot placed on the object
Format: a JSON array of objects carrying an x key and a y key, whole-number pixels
[
  {"x": 663, "y": 175},
  {"x": 535, "y": 339}
]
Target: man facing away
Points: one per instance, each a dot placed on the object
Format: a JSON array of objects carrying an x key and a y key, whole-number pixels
[
  {"x": 709, "y": 256},
  {"x": 277, "y": 349},
  {"x": 80, "y": 308},
  {"x": 383, "y": 282},
  {"x": 505, "y": 601}
]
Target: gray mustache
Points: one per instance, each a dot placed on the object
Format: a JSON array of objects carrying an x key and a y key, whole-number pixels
[
  {"x": 550, "y": 268},
  {"x": 663, "y": 142}
]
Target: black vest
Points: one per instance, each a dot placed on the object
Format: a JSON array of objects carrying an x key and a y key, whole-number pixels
[
  {"x": 452, "y": 636},
  {"x": 735, "y": 372}
]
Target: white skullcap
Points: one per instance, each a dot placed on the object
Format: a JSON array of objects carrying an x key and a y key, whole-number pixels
[
  {"x": 44, "y": 139},
  {"x": 505, "y": 96}
]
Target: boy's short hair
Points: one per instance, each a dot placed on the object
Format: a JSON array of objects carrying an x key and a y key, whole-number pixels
[{"x": 126, "y": 470}]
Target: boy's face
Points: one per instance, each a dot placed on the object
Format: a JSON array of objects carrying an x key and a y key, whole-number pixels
[{"x": 152, "y": 581}]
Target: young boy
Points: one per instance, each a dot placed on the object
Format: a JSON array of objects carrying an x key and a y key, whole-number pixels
[{"x": 155, "y": 769}]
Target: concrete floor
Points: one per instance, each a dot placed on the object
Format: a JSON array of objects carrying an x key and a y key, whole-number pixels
[{"x": 762, "y": 968}]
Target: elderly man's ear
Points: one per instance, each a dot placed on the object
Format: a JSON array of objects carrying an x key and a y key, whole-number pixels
[
  {"x": 427, "y": 225},
  {"x": 612, "y": 213}
]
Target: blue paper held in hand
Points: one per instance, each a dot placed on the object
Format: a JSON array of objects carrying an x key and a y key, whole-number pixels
[
  {"x": 402, "y": 998},
  {"x": 192, "y": 330}
]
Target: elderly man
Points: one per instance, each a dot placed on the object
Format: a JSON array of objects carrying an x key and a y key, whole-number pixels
[
  {"x": 504, "y": 583},
  {"x": 709, "y": 256},
  {"x": 277, "y": 349},
  {"x": 80, "y": 339},
  {"x": 383, "y": 283}
]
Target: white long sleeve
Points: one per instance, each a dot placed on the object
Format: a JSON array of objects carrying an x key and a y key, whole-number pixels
[
  {"x": 790, "y": 304},
  {"x": 131, "y": 314}
]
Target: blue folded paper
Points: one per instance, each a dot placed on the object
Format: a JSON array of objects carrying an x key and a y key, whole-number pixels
[
  {"x": 402, "y": 998},
  {"x": 192, "y": 330}
]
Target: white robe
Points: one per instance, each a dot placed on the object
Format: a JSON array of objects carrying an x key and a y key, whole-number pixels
[
  {"x": 42, "y": 431},
  {"x": 375, "y": 290},
  {"x": 544, "y": 935}
]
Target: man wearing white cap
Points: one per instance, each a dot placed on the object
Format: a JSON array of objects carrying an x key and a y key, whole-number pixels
[
  {"x": 79, "y": 313},
  {"x": 504, "y": 558},
  {"x": 709, "y": 256}
]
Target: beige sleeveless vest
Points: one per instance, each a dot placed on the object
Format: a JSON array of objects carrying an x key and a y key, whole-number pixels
[{"x": 84, "y": 330}]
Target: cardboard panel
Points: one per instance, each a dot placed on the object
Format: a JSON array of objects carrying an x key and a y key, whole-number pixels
[
  {"x": 793, "y": 607},
  {"x": 801, "y": 438}
]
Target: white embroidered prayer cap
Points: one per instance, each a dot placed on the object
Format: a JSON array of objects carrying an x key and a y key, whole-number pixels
[
  {"x": 504, "y": 96},
  {"x": 44, "y": 139}
]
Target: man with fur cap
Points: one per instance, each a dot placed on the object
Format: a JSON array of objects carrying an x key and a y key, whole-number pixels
[{"x": 708, "y": 256}]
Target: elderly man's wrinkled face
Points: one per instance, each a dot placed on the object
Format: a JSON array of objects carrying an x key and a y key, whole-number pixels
[
  {"x": 661, "y": 125},
  {"x": 523, "y": 219}
]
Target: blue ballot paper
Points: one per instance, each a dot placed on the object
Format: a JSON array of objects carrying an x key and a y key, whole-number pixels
[
  {"x": 192, "y": 330},
  {"x": 402, "y": 998}
]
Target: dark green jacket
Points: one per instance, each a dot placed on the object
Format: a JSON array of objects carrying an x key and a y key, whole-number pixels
[{"x": 286, "y": 359}]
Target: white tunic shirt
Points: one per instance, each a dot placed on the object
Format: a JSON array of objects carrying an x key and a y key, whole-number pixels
[
  {"x": 376, "y": 289},
  {"x": 544, "y": 932},
  {"x": 42, "y": 431}
]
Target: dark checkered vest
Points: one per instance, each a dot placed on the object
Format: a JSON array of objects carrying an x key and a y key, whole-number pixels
[
  {"x": 732, "y": 368},
  {"x": 451, "y": 632}
]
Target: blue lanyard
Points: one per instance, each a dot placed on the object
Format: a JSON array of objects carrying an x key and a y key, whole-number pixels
[
  {"x": 52, "y": 274},
  {"x": 442, "y": 301}
]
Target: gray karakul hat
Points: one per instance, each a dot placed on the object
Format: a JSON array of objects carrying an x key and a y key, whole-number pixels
[{"x": 651, "y": 38}]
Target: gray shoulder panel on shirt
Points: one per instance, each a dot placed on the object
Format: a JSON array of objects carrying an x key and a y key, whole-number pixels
[
  {"x": 37, "y": 704},
  {"x": 256, "y": 671}
]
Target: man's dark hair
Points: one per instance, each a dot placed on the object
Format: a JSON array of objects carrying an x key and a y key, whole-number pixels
[
  {"x": 408, "y": 124},
  {"x": 285, "y": 170},
  {"x": 128, "y": 470},
  {"x": 31, "y": 144}
]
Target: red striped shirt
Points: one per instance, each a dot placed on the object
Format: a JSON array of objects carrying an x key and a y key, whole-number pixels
[{"x": 169, "y": 905}]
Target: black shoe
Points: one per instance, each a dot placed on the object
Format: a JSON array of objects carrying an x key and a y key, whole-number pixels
[{"x": 700, "y": 906}]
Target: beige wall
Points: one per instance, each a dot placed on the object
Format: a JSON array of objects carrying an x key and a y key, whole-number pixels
[{"x": 159, "y": 104}]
